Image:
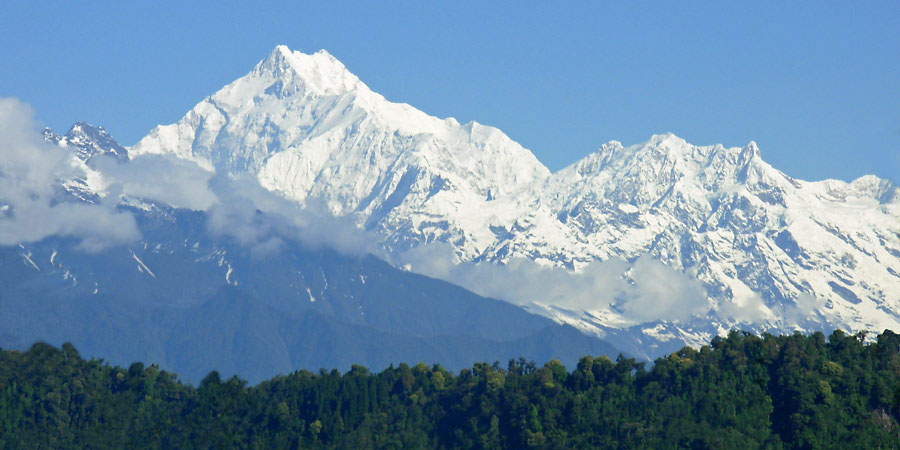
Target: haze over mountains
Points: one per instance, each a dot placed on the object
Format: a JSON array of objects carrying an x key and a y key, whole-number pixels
[{"x": 648, "y": 247}]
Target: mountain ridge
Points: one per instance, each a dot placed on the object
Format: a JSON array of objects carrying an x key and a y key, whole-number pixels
[{"x": 760, "y": 242}]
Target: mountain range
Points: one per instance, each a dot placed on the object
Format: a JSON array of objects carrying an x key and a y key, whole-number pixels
[
  {"x": 648, "y": 247},
  {"x": 771, "y": 252}
]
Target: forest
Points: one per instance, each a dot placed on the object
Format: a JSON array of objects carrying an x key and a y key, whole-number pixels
[{"x": 741, "y": 391}]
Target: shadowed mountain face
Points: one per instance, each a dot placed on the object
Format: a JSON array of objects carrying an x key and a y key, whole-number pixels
[{"x": 193, "y": 302}]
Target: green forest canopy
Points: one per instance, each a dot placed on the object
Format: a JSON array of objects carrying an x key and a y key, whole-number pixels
[{"x": 741, "y": 391}]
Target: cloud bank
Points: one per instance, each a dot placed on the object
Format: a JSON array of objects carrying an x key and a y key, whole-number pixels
[
  {"x": 264, "y": 220},
  {"x": 641, "y": 291}
]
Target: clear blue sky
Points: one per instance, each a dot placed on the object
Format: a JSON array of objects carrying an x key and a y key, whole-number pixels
[{"x": 816, "y": 84}]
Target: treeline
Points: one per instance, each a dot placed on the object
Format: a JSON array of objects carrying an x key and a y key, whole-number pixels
[{"x": 742, "y": 391}]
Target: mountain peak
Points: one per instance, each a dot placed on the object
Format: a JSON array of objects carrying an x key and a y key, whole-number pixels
[
  {"x": 752, "y": 149},
  {"x": 87, "y": 141},
  {"x": 669, "y": 146},
  {"x": 282, "y": 50},
  {"x": 668, "y": 139},
  {"x": 84, "y": 129},
  {"x": 319, "y": 72}
]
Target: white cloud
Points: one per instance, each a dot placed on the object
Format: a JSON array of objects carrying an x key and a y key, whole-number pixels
[
  {"x": 30, "y": 175},
  {"x": 746, "y": 307},
  {"x": 644, "y": 291},
  {"x": 660, "y": 292},
  {"x": 263, "y": 220},
  {"x": 162, "y": 178},
  {"x": 750, "y": 307}
]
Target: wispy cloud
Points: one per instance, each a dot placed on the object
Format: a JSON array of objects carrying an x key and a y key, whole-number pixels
[
  {"x": 162, "y": 178},
  {"x": 640, "y": 291},
  {"x": 658, "y": 291},
  {"x": 263, "y": 220}
]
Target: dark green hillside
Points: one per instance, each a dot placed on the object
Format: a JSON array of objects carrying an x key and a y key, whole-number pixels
[{"x": 742, "y": 391}]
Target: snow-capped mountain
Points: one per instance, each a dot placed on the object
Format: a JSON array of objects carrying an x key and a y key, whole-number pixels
[
  {"x": 770, "y": 251},
  {"x": 308, "y": 128}
]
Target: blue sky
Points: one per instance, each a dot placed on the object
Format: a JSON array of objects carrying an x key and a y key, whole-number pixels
[{"x": 816, "y": 84}]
